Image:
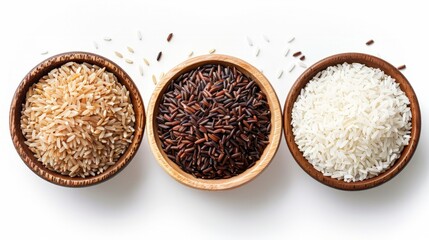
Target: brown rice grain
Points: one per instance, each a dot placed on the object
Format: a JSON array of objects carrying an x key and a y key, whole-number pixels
[
  {"x": 119, "y": 55},
  {"x": 146, "y": 62},
  {"x": 71, "y": 114}
]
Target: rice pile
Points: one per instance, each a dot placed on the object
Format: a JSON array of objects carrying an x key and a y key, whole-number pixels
[
  {"x": 351, "y": 122},
  {"x": 78, "y": 120}
]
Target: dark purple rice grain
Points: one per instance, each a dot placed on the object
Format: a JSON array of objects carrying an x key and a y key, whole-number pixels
[
  {"x": 170, "y": 36},
  {"x": 159, "y": 56},
  {"x": 214, "y": 122},
  {"x": 402, "y": 67},
  {"x": 297, "y": 54}
]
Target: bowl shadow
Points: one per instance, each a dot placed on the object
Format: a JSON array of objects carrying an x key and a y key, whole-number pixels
[
  {"x": 121, "y": 191},
  {"x": 398, "y": 190},
  {"x": 267, "y": 188}
]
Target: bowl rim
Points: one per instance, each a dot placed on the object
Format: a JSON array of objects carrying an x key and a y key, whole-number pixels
[
  {"x": 215, "y": 184},
  {"x": 33, "y": 76},
  {"x": 371, "y": 61}
]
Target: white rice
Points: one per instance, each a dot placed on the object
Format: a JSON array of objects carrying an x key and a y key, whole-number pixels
[{"x": 351, "y": 122}]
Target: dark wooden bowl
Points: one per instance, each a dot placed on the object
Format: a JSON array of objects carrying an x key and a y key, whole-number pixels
[
  {"x": 34, "y": 76},
  {"x": 215, "y": 184},
  {"x": 370, "y": 61}
]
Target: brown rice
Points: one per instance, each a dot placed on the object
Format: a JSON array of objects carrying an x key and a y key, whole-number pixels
[{"x": 78, "y": 119}]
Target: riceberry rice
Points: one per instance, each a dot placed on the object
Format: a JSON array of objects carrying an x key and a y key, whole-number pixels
[
  {"x": 297, "y": 54},
  {"x": 169, "y": 37},
  {"x": 402, "y": 67},
  {"x": 214, "y": 122},
  {"x": 369, "y": 42}
]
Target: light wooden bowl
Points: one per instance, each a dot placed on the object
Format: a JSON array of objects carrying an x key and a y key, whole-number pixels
[
  {"x": 370, "y": 61},
  {"x": 215, "y": 184},
  {"x": 34, "y": 76}
]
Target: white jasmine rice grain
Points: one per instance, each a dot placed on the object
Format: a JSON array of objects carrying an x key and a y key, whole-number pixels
[
  {"x": 266, "y": 38},
  {"x": 351, "y": 122},
  {"x": 249, "y": 41},
  {"x": 286, "y": 52},
  {"x": 279, "y": 74},
  {"x": 258, "y": 50},
  {"x": 141, "y": 70},
  {"x": 291, "y": 67}
]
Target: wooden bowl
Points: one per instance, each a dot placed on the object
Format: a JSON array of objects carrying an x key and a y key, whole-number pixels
[
  {"x": 370, "y": 61},
  {"x": 215, "y": 184},
  {"x": 34, "y": 76}
]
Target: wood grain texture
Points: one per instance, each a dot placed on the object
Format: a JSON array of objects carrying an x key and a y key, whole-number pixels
[
  {"x": 370, "y": 61},
  {"x": 34, "y": 76},
  {"x": 215, "y": 184}
]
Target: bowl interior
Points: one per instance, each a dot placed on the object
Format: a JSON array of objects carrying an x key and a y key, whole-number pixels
[
  {"x": 370, "y": 61},
  {"x": 33, "y": 77},
  {"x": 215, "y": 184}
]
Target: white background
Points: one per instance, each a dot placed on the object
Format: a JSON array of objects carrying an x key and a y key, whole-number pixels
[{"x": 143, "y": 201}]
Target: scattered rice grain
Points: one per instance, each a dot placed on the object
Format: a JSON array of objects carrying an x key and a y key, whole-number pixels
[
  {"x": 297, "y": 54},
  {"x": 154, "y": 79},
  {"x": 303, "y": 65},
  {"x": 266, "y": 38},
  {"x": 286, "y": 52},
  {"x": 119, "y": 55},
  {"x": 169, "y": 37},
  {"x": 369, "y": 42},
  {"x": 249, "y": 41},
  {"x": 141, "y": 70},
  {"x": 257, "y": 52},
  {"x": 279, "y": 74},
  {"x": 402, "y": 67},
  {"x": 146, "y": 61}
]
